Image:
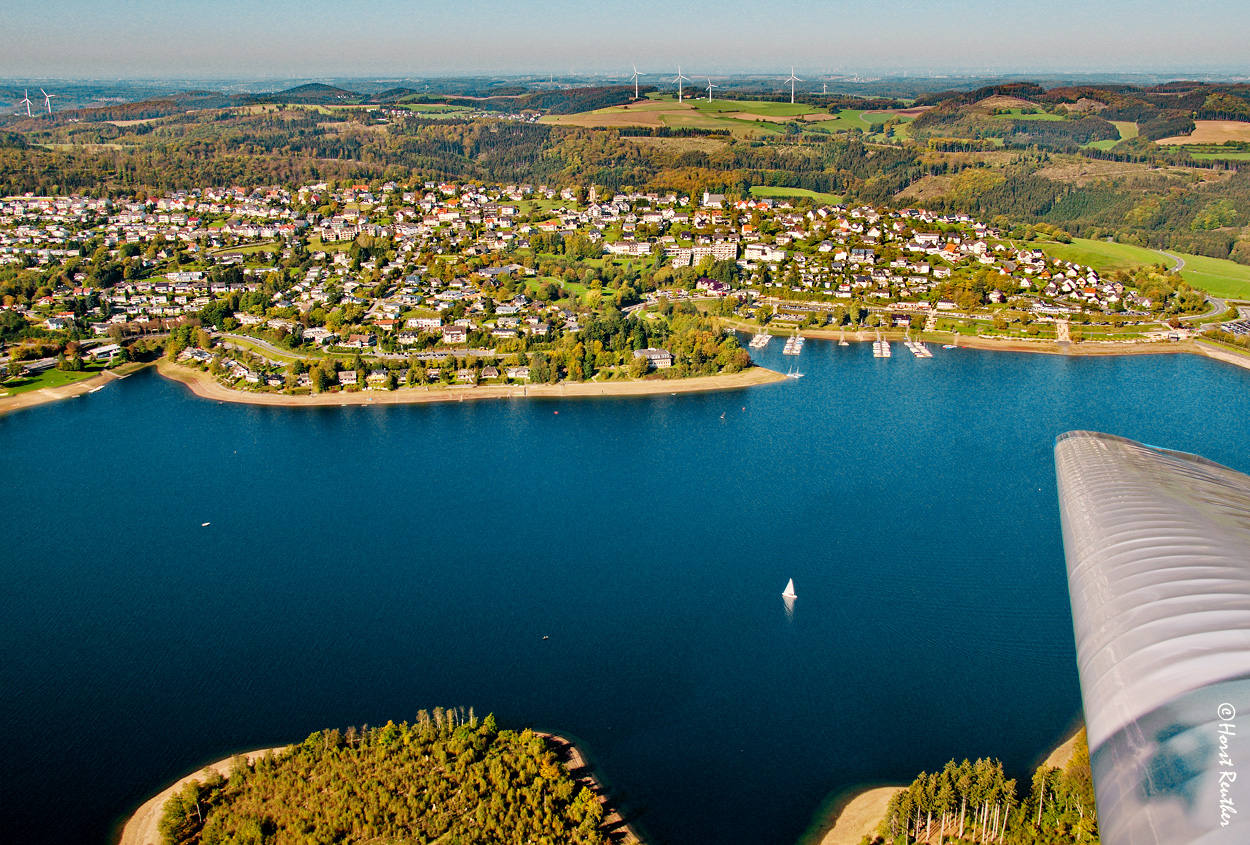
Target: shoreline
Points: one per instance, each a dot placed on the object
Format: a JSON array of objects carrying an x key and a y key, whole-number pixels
[
  {"x": 206, "y": 387},
  {"x": 616, "y": 828},
  {"x": 44, "y": 395},
  {"x": 857, "y": 811},
  {"x": 140, "y": 828},
  {"x": 1077, "y": 349}
]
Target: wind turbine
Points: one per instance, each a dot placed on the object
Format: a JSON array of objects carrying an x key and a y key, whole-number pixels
[
  {"x": 47, "y": 100},
  {"x": 25, "y": 101},
  {"x": 793, "y": 79},
  {"x": 710, "y": 86},
  {"x": 635, "y": 78},
  {"x": 678, "y": 81}
]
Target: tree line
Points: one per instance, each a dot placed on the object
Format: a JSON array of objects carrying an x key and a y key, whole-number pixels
[
  {"x": 447, "y": 777},
  {"x": 976, "y": 803}
]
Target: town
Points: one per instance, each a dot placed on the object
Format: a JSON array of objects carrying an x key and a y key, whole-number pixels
[{"x": 376, "y": 286}]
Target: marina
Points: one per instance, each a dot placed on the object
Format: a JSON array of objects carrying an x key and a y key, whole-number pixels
[
  {"x": 794, "y": 345},
  {"x": 760, "y": 340},
  {"x": 881, "y": 349},
  {"x": 918, "y": 349}
]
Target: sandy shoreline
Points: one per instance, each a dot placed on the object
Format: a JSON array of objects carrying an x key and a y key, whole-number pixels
[
  {"x": 141, "y": 827},
  {"x": 865, "y": 810},
  {"x": 619, "y": 830},
  {"x": 205, "y": 386},
  {"x": 32, "y": 398}
]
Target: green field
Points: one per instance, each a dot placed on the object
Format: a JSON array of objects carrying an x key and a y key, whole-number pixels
[
  {"x": 767, "y": 192},
  {"x": 1105, "y": 256},
  {"x": 433, "y": 108},
  {"x": 760, "y": 107},
  {"x": 1208, "y": 152},
  {"x": 1217, "y": 276},
  {"x": 265, "y": 246},
  {"x": 1236, "y": 156},
  {"x": 742, "y": 117},
  {"x": 48, "y": 378},
  {"x": 1127, "y": 129}
]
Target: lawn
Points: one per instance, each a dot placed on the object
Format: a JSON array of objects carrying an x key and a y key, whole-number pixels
[
  {"x": 764, "y": 191},
  {"x": 48, "y": 378},
  {"x": 267, "y": 246},
  {"x": 318, "y": 245},
  {"x": 1018, "y": 114}
]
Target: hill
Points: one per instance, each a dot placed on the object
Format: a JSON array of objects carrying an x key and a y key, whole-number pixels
[
  {"x": 445, "y": 778},
  {"x": 313, "y": 94}
]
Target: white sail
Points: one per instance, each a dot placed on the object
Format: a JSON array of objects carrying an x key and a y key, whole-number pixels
[{"x": 789, "y": 593}]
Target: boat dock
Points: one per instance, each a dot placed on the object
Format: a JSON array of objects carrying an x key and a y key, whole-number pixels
[
  {"x": 794, "y": 345},
  {"x": 760, "y": 340},
  {"x": 918, "y": 349},
  {"x": 881, "y": 349}
]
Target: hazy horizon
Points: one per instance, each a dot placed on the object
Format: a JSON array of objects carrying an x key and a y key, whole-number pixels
[{"x": 314, "y": 39}]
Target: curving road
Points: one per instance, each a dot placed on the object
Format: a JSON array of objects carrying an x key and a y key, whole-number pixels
[{"x": 1180, "y": 262}]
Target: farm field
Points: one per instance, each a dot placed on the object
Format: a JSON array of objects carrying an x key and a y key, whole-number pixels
[
  {"x": 1236, "y": 155},
  {"x": 741, "y": 117},
  {"x": 1207, "y": 152},
  {"x": 1212, "y": 132}
]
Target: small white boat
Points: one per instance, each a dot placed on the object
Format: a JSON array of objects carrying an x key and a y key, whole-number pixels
[
  {"x": 789, "y": 592},
  {"x": 205, "y": 524}
]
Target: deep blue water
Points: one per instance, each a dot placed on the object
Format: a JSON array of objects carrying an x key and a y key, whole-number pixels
[{"x": 363, "y": 563}]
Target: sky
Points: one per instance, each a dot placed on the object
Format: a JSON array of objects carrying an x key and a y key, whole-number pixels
[{"x": 78, "y": 39}]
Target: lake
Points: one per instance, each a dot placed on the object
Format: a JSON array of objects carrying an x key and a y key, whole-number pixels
[{"x": 363, "y": 563}]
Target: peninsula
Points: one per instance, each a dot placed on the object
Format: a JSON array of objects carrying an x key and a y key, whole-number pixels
[{"x": 461, "y": 777}]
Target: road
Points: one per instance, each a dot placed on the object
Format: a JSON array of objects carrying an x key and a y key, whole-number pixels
[
  {"x": 1218, "y": 306},
  {"x": 1180, "y": 262}
]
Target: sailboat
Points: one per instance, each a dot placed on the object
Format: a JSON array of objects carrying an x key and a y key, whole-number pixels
[{"x": 789, "y": 593}]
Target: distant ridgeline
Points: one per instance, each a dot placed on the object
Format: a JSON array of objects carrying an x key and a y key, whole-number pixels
[
  {"x": 450, "y": 776},
  {"x": 975, "y": 803}
]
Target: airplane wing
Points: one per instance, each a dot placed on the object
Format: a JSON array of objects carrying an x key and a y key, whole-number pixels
[{"x": 1158, "y": 554}]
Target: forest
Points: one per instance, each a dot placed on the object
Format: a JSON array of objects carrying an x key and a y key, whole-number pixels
[
  {"x": 447, "y": 777},
  {"x": 975, "y": 803}
]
